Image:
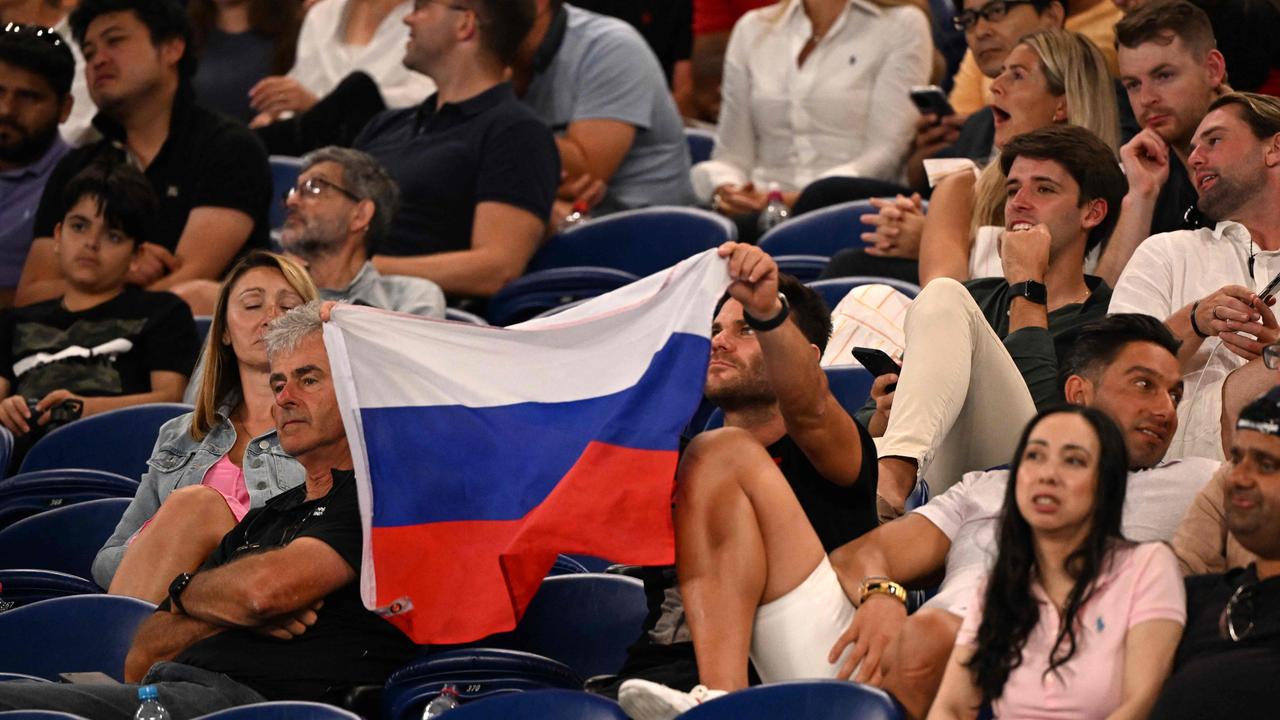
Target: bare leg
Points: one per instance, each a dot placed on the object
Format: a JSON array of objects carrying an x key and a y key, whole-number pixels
[
  {"x": 742, "y": 540},
  {"x": 915, "y": 660},
  {"x": 186, "y": 528}
]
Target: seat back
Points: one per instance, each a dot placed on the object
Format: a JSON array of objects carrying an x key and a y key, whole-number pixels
[
  {"x": 118, "y": 441},
  {"x": 805, "y": 268},
  {"x": 285, "y": 170},
  {"x": 823, "y": 232},
  {"x": 203, "y": 323},
  {"x": 641, "y": 242},
  {"x": 282, "y": 710},
  {"x": 6, "y": 450},
  {"x": 82, "y": 633},
  {"x": 833, "y": 290},
  {"x": 586, "y": 621},
  {"x": 701, "y": 143},
  {"x": 558, "y": 704},
  {"x": 544, "y": 290},
  {"x": 20, "y": 587},
  {"x": 38, "y": 715},
  {"x": 477, "y": 673},
  {"x": 27, "y": 494},
  {"x": 65, "y": 540},
  {"x": 811, "y": 700}
]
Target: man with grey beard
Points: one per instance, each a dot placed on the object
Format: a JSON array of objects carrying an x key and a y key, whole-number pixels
[
  {"x": 1205, "y": 284},
  {"x": 336, "y": 215}
]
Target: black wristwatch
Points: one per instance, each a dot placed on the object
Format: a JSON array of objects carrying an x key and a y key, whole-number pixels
[
  {"x": 1031, "y": 291},
  {"x": 766, "y": 325},
  {"x": 176, "y": 587}
]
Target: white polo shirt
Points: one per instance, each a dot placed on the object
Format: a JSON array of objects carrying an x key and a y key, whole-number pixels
[{"x": 1172, "y": 270}]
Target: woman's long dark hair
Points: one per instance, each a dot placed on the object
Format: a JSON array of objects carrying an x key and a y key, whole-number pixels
[
  {"x": 1010, "y": 611},
  {"x": 279, "y": 20}
]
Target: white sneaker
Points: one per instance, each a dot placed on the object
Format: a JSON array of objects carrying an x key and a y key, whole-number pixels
[{"x": 647, "y": 700}]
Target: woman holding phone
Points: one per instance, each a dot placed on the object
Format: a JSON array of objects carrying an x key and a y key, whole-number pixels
[{"x": 1074, "y": 620}]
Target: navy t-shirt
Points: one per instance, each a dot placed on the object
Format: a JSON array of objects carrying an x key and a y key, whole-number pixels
[{"x": 489, "y": 148}]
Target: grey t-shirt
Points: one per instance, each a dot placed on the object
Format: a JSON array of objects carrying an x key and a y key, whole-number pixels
[
  {"x": 398, "y": 293},
  {"x": 603, "y": 70}
]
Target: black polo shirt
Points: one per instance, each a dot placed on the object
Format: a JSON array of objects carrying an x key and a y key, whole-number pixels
[
  {"x": 1214, "y": 676},
  {"x": 348, "y": 645},
  {"x": 489, "y": 148},
  {"x": 207, "y": 161}
]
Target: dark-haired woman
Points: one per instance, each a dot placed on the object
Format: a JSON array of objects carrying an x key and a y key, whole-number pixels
[{"x": 1074, "y": 621}]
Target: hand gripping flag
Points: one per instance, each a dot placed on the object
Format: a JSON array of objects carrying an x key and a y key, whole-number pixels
[{"x": 480, "y": 453}]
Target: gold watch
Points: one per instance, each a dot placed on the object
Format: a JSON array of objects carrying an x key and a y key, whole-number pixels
[{"x": 881, "y": 585}]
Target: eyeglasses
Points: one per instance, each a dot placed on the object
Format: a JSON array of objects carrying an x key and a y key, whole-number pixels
[
  {"x": 991, "y": 12},
  {"x": 1271, "y": 356},
  {"x": 312, "y": 187},
  {"x": 1236, "y": 621},
  {"x": 38, "y": 32}
]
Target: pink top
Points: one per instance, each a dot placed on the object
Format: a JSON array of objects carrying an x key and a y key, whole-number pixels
[
  {"x": 1141, "y": 583},
  {"x": 228, "y": 479}
]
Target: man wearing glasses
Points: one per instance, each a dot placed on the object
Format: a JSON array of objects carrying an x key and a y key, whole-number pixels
[
  {"x": 477, "y": 170},
  {"x": 1227, "y": 662},
  {"x": 275, "y": 612},
  {"x": 36, "y": 69}
]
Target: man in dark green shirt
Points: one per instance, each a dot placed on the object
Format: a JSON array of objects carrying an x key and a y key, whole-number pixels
[{"x": 982, "y": 357}]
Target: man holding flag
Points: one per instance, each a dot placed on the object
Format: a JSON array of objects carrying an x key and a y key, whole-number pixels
[{"x": 787, "y": 446}]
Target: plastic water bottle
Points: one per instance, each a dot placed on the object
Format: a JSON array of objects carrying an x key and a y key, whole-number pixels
[
  {"x": 576, "y": 216},
  {"x": 445, "y": 701},
  {"x": 150, "y": 709},
  {"x": 775, "y": 212}
]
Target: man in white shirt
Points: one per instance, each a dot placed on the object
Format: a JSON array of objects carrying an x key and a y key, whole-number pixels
[
  {"x": 1203, "y": 283},
  {"x": 1124, "y": 365}
]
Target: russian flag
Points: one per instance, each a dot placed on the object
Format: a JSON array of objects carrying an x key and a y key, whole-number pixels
[{"x": 480, "y": 453}]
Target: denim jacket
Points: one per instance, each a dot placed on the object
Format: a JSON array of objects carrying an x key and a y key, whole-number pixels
[{"x": 178, "y": 460}]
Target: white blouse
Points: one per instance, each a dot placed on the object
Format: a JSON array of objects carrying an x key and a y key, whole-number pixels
[
  {"x": 846, "y": 111},
  {"x": 323, "y": 60}
]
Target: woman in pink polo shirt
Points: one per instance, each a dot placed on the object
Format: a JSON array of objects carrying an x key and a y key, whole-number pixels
[{"x": 1074, "y": 620}]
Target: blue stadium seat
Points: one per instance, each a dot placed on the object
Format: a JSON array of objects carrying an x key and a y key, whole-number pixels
[
  {"x": 536, "y": 292},
  {"x": 284, "y": 175},
  {"x": 557, "y": 704},
  {"x": 566, "y": 565},
  {"x": 811, "y": 700},
  {"x": 282, "y": 710},
  {"x": 20, "y": 587},
  {"x": 805, "y": 268},
  {"x": 834, "y": 289},
  {"x": 6, "y": 450},
  {"x": 701, "y": 143},
  {"x": 477, "y": 673},
  {"x": 118, "y": 441},
  {"x": 203, "y": 323},
  {"x": 8, "y": 676},
  {"x": 38, "y": 715},
  {"x": 27, "y": 494},
  {"x": 463, "y": 316},
  {"x": 586, "y": 621},
  {"x": 641, "y": 242},
  {"x": 65, "y": 539},
  {"x": 822, "y": 232},
  {"x": 83, "y": 633}
]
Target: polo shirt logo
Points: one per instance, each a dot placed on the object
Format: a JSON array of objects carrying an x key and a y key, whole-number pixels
[
  {"x": 318, "y": 511},
  {"x": 172, "y": 191}
]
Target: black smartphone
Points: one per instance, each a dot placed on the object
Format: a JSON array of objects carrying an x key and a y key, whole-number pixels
[
  {"x": 877, "y": 362},
  {"x": 1270, "y": 289},
  {"x": 931, "y": 100}
]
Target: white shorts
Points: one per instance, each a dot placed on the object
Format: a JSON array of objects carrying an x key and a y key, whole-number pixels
[{"x": 793, "y": 634}]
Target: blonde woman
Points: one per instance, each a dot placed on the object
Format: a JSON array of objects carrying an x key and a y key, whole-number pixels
[
  {"x": 811, "y": 89},
  {"x": 211, "y": 465},
  {"x": 1050, "y": 76}
]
